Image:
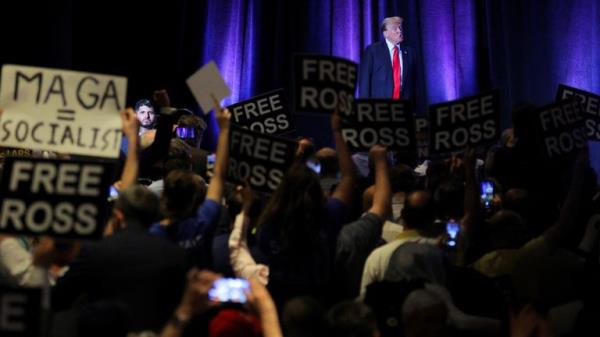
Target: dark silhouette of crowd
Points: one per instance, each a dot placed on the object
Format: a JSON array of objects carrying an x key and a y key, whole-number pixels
[{"x": 334, "y": 253}]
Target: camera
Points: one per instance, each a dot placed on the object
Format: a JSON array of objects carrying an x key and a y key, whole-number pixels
[
  {"x": 230, "y": 290},
  {"x": 487, "y": 193}
]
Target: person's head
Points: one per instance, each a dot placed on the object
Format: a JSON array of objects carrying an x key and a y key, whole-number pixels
[
  {"x": 351, "y": 319},
  {"x": 424, "y": 314},
  {"x": 183, "y": 193},
  {"x": 234, "y": 323},
  {"x": 507, "y": 230},
  {"x": 302, "y": 317},
  {"x": 145, "y": 113},
  {"x": 392, "y": 29},
  {"x": 295, "y": 210},
  {"x": 418, "y": 211},
  {"x": 192, "y": 129},
  {"x": 449, "y": 199},
  {"x": 518, "y": 201},
  {"x": 178, "y": 157},
  {"x": 418, "y": 261},
  {"x": 402, "y": 178},
  {"x": 524, "y": 121},
  {"x": 135, "y": 205}
]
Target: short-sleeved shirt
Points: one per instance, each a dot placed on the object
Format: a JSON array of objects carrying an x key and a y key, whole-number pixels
[
  {"x": 354, "y": 244},
  {"x": 194, "y": 233},
  {"x": 537, "y": 273}
]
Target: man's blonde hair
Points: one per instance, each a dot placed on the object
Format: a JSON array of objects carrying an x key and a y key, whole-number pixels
[{"x": 391, "y": 20}]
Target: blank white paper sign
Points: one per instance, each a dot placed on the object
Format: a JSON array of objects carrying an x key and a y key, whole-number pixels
[{"x": 206, "y": 81}]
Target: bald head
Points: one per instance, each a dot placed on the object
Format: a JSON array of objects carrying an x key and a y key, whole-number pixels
[{"x": 418, "y": 212}]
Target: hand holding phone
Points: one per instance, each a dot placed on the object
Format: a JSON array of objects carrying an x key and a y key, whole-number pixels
[{"x": 231, "y": 290}]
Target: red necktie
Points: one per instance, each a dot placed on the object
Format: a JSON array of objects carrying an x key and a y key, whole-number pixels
[{"x": 397, "y": 73}]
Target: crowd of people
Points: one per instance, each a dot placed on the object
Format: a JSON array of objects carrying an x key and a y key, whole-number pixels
[{"x": 390, "y": 250}]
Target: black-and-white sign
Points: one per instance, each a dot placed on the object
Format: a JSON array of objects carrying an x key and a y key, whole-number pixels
[
  {"x": 468, "y": 121},
  {"x": 61, "y": 111},
  {"x": 422, "y": 137},
  {"x": 260, "y": 158},
  {"x": 20, "y": 313},
  {"x": 591, "y": 108},
  {"x": 380, "y": 121},
  {"x": 561, "y": 127},
  {"x": 323, "y": 83},
  {"x": 266, "y": 113},
  {"x": 54, "y": 197}
]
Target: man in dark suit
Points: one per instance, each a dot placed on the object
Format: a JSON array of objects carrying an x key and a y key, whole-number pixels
[
  {"x": 139, "y": 274},
  {"x": 387, "y": 67}
]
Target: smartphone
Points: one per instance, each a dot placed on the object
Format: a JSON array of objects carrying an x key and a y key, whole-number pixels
[
  {"x": 210, "y": 160},
  {"x": 452, "y": 229},
  {"x": 314, "y": 165},
  {"x": 113, "y": 193},
  {"x": 230, "y": 290},
  {"x": 487, "y": 193},
  {"x": 185, "y": 132}
]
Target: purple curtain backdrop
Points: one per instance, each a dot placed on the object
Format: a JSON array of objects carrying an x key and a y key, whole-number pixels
[{"x": 523, "y": 47}]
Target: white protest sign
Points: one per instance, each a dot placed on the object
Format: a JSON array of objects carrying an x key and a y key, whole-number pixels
[
  {"x": 61, "y": 110},
  {"x": 206, "y": 82}
]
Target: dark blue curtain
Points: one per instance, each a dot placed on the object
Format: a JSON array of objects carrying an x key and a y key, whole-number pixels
[{"x": 523, "y": 47}]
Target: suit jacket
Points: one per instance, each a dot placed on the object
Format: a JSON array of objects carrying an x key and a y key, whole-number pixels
[
  {"x": 375, "y": 75},
  {"x": 145, "y": 274}
]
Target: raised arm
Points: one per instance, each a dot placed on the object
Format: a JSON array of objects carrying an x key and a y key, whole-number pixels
[
  {"x": 193, "y": 302},
  {"x": 556, "y": 234},
  {"x": 383, "y": 191},
  {"x": 242, "y": 262},
  {"x": 344, "y": 189},
  {"x": 130, "y": 126},
  {"x": 215, "y": 188},
  {"x": 470, "y": 220},
  {"x": 262, "y": 302},
  {"x": 471, "y": 201}
]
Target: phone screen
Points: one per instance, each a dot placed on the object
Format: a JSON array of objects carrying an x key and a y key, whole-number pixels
[
  {"x": 113, "y": 193},
  {"x": 314, "y": 165},
  {"x": 186, "y": 132},
  {"x": 229, "y": 290},
  {"x": 452, "y": 229},
  {"x": 487, "y": 193}
]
